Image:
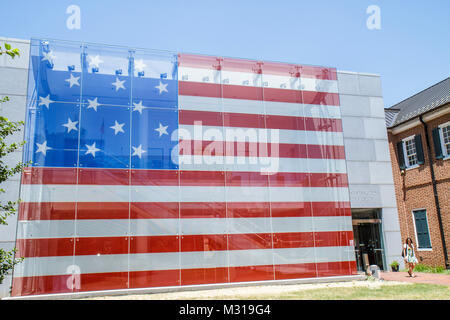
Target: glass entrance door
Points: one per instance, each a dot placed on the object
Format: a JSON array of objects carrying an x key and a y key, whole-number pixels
[{"x": 368, "y": 238}]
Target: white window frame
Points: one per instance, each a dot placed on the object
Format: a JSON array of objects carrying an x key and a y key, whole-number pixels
[
  {"x": 441, "y": 136},
  {"x": 415, "y": 229},
  {"x": 405, "y": 154}
]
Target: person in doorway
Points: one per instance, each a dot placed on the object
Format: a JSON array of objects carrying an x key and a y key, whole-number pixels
[{"x": 409, "y": 256}]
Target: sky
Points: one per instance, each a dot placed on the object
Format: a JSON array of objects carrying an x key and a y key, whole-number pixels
[{"x": 410, "y": 50}]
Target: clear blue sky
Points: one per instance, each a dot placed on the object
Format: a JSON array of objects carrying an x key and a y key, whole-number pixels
[{"x": 410, "y": 52}]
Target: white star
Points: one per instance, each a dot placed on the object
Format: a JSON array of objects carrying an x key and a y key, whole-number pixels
[
  {"x": 70, "y": 125},
  {"x": 93, "y": 104},
  {"x": 94, "y": 61},
  {"x": 139, "y": 107},
  {"x": 49, "y": 56},
  {"x": 162, "y": 87},
  {"x": 139, "y": 65},
  {"x": 73, "y": 80},
  {"x": 162, "y": 129},
  {"x": 45, "y": 101},
  {"x": 42, "y": 147},
  {"x": 92, "y": 149},
  {"x": 117, "y": 127},
  {"x": 119, "y": 84},
  {"x": 138, "y": 151}
]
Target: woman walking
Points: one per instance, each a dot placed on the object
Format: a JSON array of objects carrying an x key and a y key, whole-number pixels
[{"x": 410, "y": 257}]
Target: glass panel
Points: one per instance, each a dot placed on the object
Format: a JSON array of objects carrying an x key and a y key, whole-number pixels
[
  {"x": 154, "y": 142},
  {"x": 57, "y": 71},
  {"x": 203, "y": 228},
  {"x": 155, "y": 80},
  {"x": 154, "y": 227},
  {"x": 102, "y": 229},
  {"x": 201, "y": 113},
  {"x": 199, "y": 76},
  {"x": 106, "y": 76},
  {"x": 247, "y": 193},
  {"x": 105, "y": 137},
  {"x": 45, "y": 232},
  {"x": 204, "y": 257},
  {"x": 249, "y": 223},
  {"x": 328, "y": 179},
  {"x": 281, "y": 83},
  {"x": 155, "y": 193},
  {"x": 55, "y": 135}
]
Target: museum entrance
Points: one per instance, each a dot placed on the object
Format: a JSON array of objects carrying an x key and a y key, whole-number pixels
[{"x": 368, "y": 240}]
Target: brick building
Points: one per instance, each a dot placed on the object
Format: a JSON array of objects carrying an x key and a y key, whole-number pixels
[{"x": 419, "y": 143}]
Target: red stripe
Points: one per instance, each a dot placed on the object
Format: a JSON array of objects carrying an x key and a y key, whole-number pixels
[
  {"x": 154, "y": 210},
  {"x": 213, "y": 90},
  {"x": 309, "y": 209},
  {"x": 189, "y": 178},
  {"x": 36, "y": 175},
  {"x": 255, "y": 149},
  {"x": 47, "y": 210},
  {"x": 185, "y": 243},
  {"x": 24, "y": 286},
  {"x": 245, "y": 120},
  {"x": 107, "y": 177},
  {"x": 254, "y": 66},
  {"x": 199, "y": 61},
  {"x": 174, "y": 210}
]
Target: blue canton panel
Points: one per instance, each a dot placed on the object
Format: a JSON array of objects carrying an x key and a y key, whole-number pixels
[
  {"x": 105, "y": 137},
  {"x": 56, "y": 135},
  {"x": 101, "y": 107},
  {"x": 152, "y": 132}
]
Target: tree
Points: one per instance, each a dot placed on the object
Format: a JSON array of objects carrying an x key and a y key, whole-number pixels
[{"x": 7, "y": 128}]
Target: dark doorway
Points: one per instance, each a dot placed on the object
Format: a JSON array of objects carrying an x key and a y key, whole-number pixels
[{"x": 369, "y": 249}]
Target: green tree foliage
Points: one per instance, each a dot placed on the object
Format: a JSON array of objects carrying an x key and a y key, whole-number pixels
[{"x": 7, "y": 128}]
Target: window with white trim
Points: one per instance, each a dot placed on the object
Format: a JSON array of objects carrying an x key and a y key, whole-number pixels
[
  {"x": 410, "y": 152},
  {"x": 445, "y": 139}
]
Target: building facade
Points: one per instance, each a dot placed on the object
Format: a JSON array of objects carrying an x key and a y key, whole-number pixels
[
  {"x": 419, "y": 142},
  {"x": 98, "y": 215}
]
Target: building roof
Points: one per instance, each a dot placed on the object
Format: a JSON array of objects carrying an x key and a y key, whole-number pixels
[{"x": 429, "y": 99}]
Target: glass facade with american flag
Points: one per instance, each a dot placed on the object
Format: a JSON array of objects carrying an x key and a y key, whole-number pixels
[{"x": 154, "y": 169}]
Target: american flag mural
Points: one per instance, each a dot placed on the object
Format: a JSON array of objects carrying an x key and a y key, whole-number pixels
[{"x": 156, "y": 169}]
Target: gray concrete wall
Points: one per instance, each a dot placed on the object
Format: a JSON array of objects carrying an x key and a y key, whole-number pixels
[
  {"x": 369, "y": 167},
  {"x": 13, "y": 83}
]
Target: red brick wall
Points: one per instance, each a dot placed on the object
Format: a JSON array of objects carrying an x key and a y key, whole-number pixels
[{"x": 414, "y": 190}]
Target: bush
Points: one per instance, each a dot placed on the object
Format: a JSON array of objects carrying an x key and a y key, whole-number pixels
[{"x": 425, "y": 268}]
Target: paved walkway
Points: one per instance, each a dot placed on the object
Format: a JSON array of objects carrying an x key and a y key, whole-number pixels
[{"x": 432, "y": 278}]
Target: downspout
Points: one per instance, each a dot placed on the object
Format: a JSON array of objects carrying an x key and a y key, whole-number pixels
[{"x": 436, "y": 196}]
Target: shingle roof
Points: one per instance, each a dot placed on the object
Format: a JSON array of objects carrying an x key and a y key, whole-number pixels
[
  {"x": 390, "y": 115},
  {"x": 431, "y": 98}
]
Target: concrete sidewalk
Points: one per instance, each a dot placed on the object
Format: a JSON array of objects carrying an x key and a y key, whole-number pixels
[{"x": 421, "y": 277}]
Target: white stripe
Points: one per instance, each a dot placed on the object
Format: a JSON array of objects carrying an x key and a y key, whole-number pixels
[
  {"x": 43, "y": 229},
  {"x": 261, "y": 164},
  {"x": 252, "y": 79},
  {"x": 196, "y": 103},
  {"x": 119, "y": 193},
  {"x": 215, "y": 133},
  {"x": 44, "y": 266}
]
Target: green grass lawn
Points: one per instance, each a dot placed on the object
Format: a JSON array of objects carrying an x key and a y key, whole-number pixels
[
  {"x": 384, "y": 292},
  {"x": 399, "y": 292}
]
